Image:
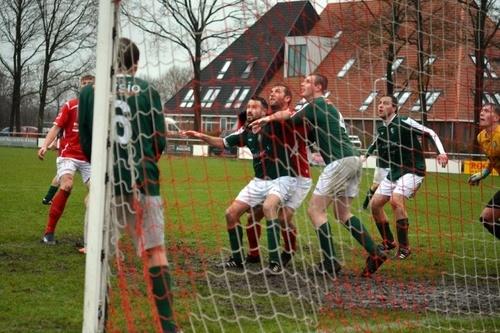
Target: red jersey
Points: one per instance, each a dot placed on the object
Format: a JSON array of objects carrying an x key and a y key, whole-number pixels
[{"x": 67, "y": 120}]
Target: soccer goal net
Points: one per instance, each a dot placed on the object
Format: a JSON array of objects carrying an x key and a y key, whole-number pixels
[{"x": 172, "y": 245}]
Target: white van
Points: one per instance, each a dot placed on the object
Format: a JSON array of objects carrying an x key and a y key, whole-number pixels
[{"x": 171, "y": 126}]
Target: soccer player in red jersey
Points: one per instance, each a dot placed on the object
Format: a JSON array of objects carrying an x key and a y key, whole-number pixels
[{"x": 71, "y": 159}]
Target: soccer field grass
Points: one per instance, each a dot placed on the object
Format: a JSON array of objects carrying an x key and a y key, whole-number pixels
[{"x": 41, "y": 288}]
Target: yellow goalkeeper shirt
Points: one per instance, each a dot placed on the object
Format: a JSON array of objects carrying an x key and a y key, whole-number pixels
[{"x": 490, "y": 144}]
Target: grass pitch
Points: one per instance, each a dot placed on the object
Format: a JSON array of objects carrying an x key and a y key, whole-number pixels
[{"x": 41, "y": 288}]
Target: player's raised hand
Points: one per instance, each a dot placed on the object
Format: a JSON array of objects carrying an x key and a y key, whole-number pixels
[{"x": 442, "y": 160}]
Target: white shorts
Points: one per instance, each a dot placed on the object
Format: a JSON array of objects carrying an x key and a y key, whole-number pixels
[
  {"x": 67, "y": 165},
  {"x": 144, "y": 220},
  {"x": 379, "y": 174},
  {"x": 407, "y": 185},
  {"x": 258, "y": 189},
  {"x": 340, "y": 178},
  {"x": 301, "y": 189}
]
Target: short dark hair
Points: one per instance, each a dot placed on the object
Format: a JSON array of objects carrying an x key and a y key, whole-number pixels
[
  {"x": 321, "y": 80},
  {"x": 495, "y": 107},
  {"x": 262, "y": 101},
  {"x": 87, "y": 77},
  {"x": 286, "y": 89},
  {"x": 394, "y": 101},
  {"x": 128, "y": 53}
]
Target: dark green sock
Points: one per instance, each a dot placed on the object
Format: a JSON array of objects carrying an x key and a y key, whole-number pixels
[
  {"x": 236, "y": 242},
  {"x": 51, "y": 192},
  {"x": 385, "y": 231},
  {"x": 273, "y": 240},
  {"x": 359, "y": 232},
  {"x": 326, "y": 241},
  {"x": 402, "y": 232},
  {"x": 162, "y": 291}
]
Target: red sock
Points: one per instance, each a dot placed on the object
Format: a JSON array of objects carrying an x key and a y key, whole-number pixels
[
  {"x": 253, "y": 234},
  {"x": 56, "y": 210},
  {"x": 290, "y": 239}
]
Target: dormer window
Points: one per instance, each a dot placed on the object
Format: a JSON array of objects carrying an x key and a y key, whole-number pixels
[
  {"x": 297, "y": 60},
  {"x": 368, "y": 101},
  {"x": 346, "y": 68},
  {"x": 209, "y": 98},
  {"x": 402, "y": 97},
  {"x": 237, "y": 97},
  {"x": 224, "y": 69},
  {"x": 396, "y": 63},
  {"x": 488, "y": 70},
  {"x": 248, "y": 69},
  {"x": 430, "y": 98},
  {"x": 429, "y": 61},
  {"x": 188, "y": 99}
]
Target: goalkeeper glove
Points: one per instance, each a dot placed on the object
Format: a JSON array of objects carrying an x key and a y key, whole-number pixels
[{"x": 476, "y": 178}]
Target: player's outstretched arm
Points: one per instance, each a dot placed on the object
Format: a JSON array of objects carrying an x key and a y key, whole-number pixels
[
  {"x": 257, "y": 124},
  {"x": 211, "y": 140},
  {"x": 49, "y": 139}
]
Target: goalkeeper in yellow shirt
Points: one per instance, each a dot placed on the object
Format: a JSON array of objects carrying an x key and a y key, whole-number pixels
[{"x": 489, "y": 140}]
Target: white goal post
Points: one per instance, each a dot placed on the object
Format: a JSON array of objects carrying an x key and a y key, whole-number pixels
[{"x": 98, "y": 203}]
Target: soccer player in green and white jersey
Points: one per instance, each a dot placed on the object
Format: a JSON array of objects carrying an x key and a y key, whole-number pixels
[
  {"x": 139, "y": 143},
  {"x": 272, "y": 185},
  {"x": 397, "y": 139},
  {"x": 339, "y": 181}
]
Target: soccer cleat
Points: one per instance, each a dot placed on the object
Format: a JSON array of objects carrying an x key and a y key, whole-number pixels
[
  {"x": 49, "y": 239},
  {"x": 46, "y": 202},
  {"x": 327, "y": 268},
  {"x": 285, "y": 258},
  {"x": 386, "y": 246},
  {"x": 274, "y": 268},
  {"x": 403, "y": 253},
  {"x": 373, "y": 263},
  {"x": 230, "y": 263},
  {"x": 252, "y": 259}
]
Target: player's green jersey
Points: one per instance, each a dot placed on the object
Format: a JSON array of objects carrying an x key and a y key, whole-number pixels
[
  {"x": 328, "y": 128},
  {"x": 399, "y": 140},
  {"x": 138, "y": 129},
  {"x": 270, "y": 158},
  {"x": 382, "y": 161}
]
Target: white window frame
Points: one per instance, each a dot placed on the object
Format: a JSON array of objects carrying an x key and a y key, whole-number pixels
[
  {"x": 402, "y": 97},
  {"x": 248, "y": 69},
  {"x": 210, "y": 96},
  {"x": 296, "y": 72},
  {"x": 224, "y": 69},
  {"x": 430, "y": 98},
  {"x": 347, "y": 66},
  {"x": 243, "y": 94},
  {"x": 232, "y": 97},
  {"x": 188, "y": 99},
  {"x": 397, "y": 63},
  {"x": 368, "y": 100},
  {"x": 430, "y": 60},
  {"x": 488, "y": 72}
]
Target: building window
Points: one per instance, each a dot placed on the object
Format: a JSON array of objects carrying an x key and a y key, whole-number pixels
[
  {"x": 491, "y": 98},
  {"x": 430, "y": 98},
  {"x": 188, "y": 100},
  {"x": 209, "y": 98},
  {"x": 429, "y": 61},
  {"x": 368, "y": 101},
  {"x": 346, "y": 67},
  {"x": 224, "y": 69},
  {"x": 210, "y": 124},
  {"x": 488, "y": 70},
  {"x": 336, "y": 38},
  {"x": 297, "y": 60},
  {"x": 396, "y": 63},
  {"x": 237, "y": 97},
  {"x": 248, "y": 69},
  {"x": 402, "y": 97}
]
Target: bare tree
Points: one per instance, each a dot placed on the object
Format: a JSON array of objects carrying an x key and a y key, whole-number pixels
[
  {"x": 197, "y": 24},
  {"x": 19, "y": 27},
  {"x": 68, "y": 28},
  {"x": 484, "y": 30},
  {"x": 172, "y": 81}
]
